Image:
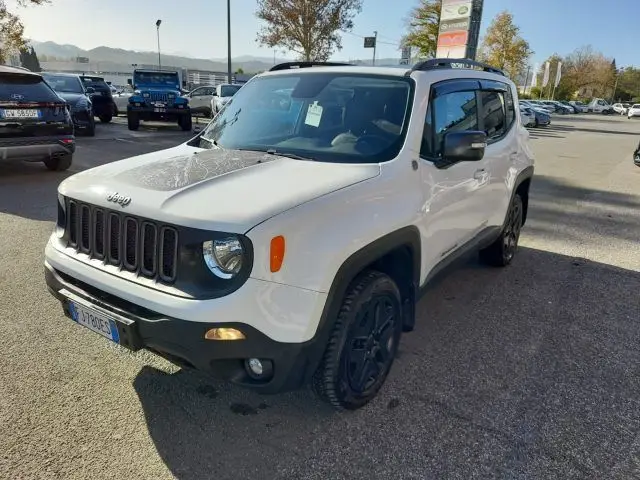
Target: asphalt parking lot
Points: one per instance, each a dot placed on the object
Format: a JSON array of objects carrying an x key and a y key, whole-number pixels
[{"x": 531, "y": 372}]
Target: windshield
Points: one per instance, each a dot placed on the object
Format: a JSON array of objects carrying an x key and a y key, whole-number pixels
[
  {"x": 64, "y": 83},
  {"x": 333, "y": 117},
  {"x": 637, "y": 105},
  {"x": 228, "y": 90},
  {"x": 156, "y": 78}
]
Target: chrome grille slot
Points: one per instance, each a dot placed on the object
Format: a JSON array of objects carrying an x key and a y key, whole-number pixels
[
  {"x": 141, "y": 246},
  {"x": 130, "y": 244},
  {"x": 168, "y": 254},
  {"x": 99, "y": 231},
  {"x": 85, "y": 229},
  {"x": 159, "y": 97},
  {"x": 149, "y": 249}
]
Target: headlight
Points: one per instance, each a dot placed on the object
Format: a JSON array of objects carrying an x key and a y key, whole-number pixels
[
  {"x": 146, "y": 94},
  {"x": 223, "y": 257}
]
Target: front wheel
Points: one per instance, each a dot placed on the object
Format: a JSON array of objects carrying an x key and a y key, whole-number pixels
[
  {"x": 363, "y": 343},
  {"x": 185, "y": 123},
  {"x": 90, "y": 129},
  {"x": 133, "y": 121},
  {"x": 501, "y": 252},
  {"x": 105, "y": 118},
  {"x": 59, "y": 163}
]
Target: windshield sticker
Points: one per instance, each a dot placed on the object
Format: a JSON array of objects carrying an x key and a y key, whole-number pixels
[{"x": 314, "y": 115}]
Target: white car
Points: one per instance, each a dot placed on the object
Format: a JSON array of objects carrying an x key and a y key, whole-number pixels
[
  {"x": 288, "y": 242},
  {"x": 634, "y": 111},
  {"x": 583, "y": 107},
  {"x": 200, "y": 100},
  {"x": 528, "y": 119},
  {"x": 619, "y": 108},
  {"x": 222, "y": 95}
]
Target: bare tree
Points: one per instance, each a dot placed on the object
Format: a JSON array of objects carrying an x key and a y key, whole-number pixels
[{"x": 307, "y": 27}]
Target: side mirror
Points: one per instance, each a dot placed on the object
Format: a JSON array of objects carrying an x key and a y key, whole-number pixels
[
  {"x": 467, "y": 146},
  {"x": 90, "y": 90},
  {"x": 129, "y": 82}
]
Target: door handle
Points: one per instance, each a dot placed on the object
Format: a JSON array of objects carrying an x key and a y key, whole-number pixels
[{"x": 480, "y": 174}]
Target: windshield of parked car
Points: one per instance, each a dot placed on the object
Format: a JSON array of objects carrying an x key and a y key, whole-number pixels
[
  {"x": 637, "y": 105},
  {"x": 64, "y": 83},
  {"x": 333, "y": 117},
  {"x": 229, "y": 90},
  {"x": 156, "y": 78}
]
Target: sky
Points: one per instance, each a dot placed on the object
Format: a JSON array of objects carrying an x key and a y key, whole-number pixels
[{"x": 198, "y": 28}]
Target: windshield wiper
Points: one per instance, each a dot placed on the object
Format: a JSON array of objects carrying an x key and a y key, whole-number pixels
[{"x": 273, "y": 151}]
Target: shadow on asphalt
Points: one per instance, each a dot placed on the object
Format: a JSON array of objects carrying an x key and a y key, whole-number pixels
[{"x": 526, "y": 372}]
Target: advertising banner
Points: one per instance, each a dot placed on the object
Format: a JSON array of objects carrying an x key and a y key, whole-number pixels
[
  {"x": 558, "y": 75},
  {"x": 454, "y": 35},
  {"x": 545, "y": 77}
]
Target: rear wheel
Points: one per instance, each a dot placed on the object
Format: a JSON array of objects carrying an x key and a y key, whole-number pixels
[
  {"x": 501, "y": 252},
  {"x": 363, "y": 343},
  {"x": 59, "y": 163},
  {"x": 90, "y": 130},
  {"x": 105, "y": 118},
  {"x": 133, "y": 121}
]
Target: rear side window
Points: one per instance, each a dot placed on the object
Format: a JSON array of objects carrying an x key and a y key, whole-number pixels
[
  {"x": 493, "y": 114},
  {"x": 25, "y": 88},
  {"x": 451, "y": 112}
]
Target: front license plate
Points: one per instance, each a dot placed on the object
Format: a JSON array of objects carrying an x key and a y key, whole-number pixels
[
  {"x": 21, "y": 113},
  {"x": 94, "y": 321},
  {"x": 159, "y": 110}
]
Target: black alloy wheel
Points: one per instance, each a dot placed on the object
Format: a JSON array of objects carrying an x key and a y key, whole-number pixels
[{"x": 501, "y": 252}]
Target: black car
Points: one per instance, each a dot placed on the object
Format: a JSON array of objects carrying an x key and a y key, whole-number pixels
[
  {"x": 35, "y": 124},
  {"x": 69, "y": 87},
  {"x": 102, "y": 98}
]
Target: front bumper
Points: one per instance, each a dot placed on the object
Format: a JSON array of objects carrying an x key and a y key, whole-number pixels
[
  {"x": 36, "y": 148},
  {"x": 81, "y": 118},
  {"x": 174, "y": 327},
  {"x": 153, "y": 110}
]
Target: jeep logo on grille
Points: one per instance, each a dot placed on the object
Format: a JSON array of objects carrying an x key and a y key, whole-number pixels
[{"x": 120, "y": 199}]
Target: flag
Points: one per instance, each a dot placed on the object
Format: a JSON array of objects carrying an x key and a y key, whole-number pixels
[
  {"x": 545, "y": 78},
  {"x": 534, "y": 79},
  {"x": 558, "y": 74}
]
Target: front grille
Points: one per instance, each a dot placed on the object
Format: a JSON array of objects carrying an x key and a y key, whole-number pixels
[
  {"x": 141, "y": 246},
  {"x": 159, "y": 97}
]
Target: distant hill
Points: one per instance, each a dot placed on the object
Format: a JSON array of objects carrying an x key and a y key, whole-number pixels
[{"x": 117, "y": 59}]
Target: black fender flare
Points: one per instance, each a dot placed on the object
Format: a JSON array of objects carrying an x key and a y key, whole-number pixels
[
  {"x": 405, "y": 237},
  {"x": 523, "y": 176}
]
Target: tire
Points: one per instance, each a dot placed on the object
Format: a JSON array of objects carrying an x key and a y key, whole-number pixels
[
  {"x": 501, "y": 252},
  {"x": 105, "y": 118},
  {"x": 537, "y": 124},
  {"x": 133, "y": 121},
  {"x": 90, "y": 130},
  {"x": 185, "y": 123},
  {"x": 363, "y": 343},
  {"x": 59, "y": 163}
]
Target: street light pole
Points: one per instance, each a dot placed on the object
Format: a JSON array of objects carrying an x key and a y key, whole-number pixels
[
  {"x": 158, "y": 22},
  {"x": 229, "y": 41}
]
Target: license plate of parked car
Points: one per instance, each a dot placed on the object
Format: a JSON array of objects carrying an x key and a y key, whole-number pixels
[
  {"x": 21, "y": 113},
  {"x": 159, "y": 110},
  {"x": 94, "y": 321}
]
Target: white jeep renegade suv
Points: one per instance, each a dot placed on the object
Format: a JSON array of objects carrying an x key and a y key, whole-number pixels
[{"x": 288, "y": 242}]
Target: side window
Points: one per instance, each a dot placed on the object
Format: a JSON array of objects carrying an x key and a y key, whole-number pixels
[
  {"x": 197, "y": 92},
  {"x": 494, "y": 118},
  {"x": 451, "y": 112},
  {"x": 511, "y": 109}
]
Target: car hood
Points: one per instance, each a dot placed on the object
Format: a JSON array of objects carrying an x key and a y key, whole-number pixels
[
  {"x": 71, "y": 98},
  {"x": 221, "y": 190}
]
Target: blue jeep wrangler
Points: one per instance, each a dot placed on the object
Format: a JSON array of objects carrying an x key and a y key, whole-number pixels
[{"x": 157, "y": 97}]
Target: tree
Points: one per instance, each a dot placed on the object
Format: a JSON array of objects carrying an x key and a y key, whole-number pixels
[
  {"x": 29, "y": 59},
  {"x": 239, "y": 71},
  {"x": 12, "y": 30},
  {"x": 424, "y": 25},
  {"x": 503, "y": 47},
  {"x": 308, "y": 28}
]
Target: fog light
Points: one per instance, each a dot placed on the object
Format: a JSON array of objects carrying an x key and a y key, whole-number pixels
[
  {"x": 259, "y": 369},
  {"x": 224, "y": 334}
]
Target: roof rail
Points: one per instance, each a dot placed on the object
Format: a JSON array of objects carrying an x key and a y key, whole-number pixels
[
  {"x": 293, "y": 65},
  {"x": 436, "y": 63}
]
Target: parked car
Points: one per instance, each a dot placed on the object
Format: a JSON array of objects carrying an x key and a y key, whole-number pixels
[
  {"x": 571, "y": 107},
  {"x": 69, "y": 87},
  {"x": 620, "y": 108},
  {"x": 200, "y": 100},
  {"x": 541, "y": 117},
  {"x": 297, "y": 286},
  {"x": 600, "y": 105},
  {"x": 120, "y": 101},
  {"x": 102, "y": 98},
  {"x": 557, "y": 107},
  {"x": 35, "y": 122},
  {"x": 634, "y": 111},
  {"x": 527, "y": 116},
  {"x": 222, "y": 95},
  {"x": 543, "y": 109},
  {"x": 583, "y": 107},
  {"x": 542, "y": 106}
]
